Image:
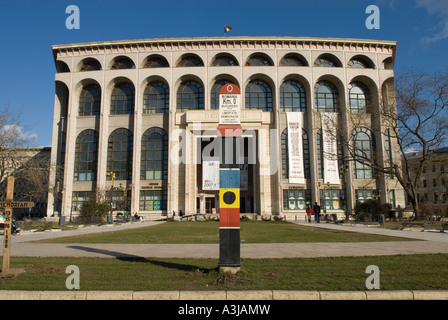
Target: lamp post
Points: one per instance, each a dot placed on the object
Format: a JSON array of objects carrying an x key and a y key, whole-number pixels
[
  {"x": 125, "y": 192},
  {"x": 325, "y": 187}
]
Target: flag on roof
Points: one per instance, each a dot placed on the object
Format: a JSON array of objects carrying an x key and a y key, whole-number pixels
[{"x": 227, "y": 28}]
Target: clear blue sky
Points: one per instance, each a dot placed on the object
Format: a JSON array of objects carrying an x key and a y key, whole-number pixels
[{"x": 29, "y": 28}]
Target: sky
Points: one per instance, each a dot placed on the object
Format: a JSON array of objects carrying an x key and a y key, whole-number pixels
[{"x": 28, "y": 29}]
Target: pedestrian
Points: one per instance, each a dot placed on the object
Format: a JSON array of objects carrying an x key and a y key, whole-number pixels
[
  {"x": 174, "y": 213},
  {"x": 180, "y": 214},
  {"x": 308, "y": 213},
  {"x": 316, "y": 210}
]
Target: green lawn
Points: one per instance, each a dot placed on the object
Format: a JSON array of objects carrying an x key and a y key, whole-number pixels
[
  {"x": 208, "y": 232},
  {"x": 410, "y": 272}
]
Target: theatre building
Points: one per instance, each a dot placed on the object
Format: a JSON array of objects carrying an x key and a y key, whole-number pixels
[{"x": 135, "y": 123}]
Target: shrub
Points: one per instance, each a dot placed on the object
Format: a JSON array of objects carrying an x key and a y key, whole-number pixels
[
  {"x": 94, "y": 212},
  {"x": 370, "y": 209}
]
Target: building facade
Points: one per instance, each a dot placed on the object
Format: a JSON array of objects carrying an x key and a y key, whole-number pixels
[{"x": 136, "y": 122}]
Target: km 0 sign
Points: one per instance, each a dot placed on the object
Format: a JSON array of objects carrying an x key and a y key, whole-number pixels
[{"x": 16, "y": 205}]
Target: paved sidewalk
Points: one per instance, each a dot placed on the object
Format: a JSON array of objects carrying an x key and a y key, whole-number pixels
[{"x": 431, "y": 242}]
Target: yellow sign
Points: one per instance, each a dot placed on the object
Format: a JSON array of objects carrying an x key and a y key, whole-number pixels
[{"x": 229, "y": 198}]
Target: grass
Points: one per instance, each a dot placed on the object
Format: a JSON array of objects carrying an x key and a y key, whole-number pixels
[
  {"x": 402, "y": 272},
  {"x": 208, "y": 232}
]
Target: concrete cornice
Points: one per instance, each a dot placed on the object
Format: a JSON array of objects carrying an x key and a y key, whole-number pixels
[{"x": 201, "y": 43}]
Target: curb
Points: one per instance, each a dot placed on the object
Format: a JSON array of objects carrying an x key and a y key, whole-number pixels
[{"x": 225, "y": 295}]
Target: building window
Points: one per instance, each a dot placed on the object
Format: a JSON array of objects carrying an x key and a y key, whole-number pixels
[
  {"x": 364, "y": 153},
  {"x": 122, "y": 101},
  {"x": 328, "y": 61},
  {"x": 259, "y": 60},
  {"x": 388, "y": 149},
  {"x": 86, "y": 156},
  {"x": 190, "y": 96},
  {"x": 285, "y": 155},
  {"x": 156, "y": 61},
  {"x": 359, "y": 97},
  {"x": 154, "y": 158},
  {"x": 392, "y": 201},
  {"x": 119, "y": 155},
  {"x": 156, "y": 98},
  {"x": 292, "y": 97},
  {"x": 123, "y": 63},
  {"x": 363, "y": 195},
  {"x": 119, "y": 200},
  {"x": 190, "y": 61},
  {"x": 258, "y": 96},
  {"x": 326, "y": 97},
  {"x": 334, "y": 199},
  {"x": 153, "y": 200},
  {"x": 296, "y": 199},
  {"x": 79, "y": 198},
  {"x": 224, "y": 60},
  {"x": 214, "y": 96},
  {"x": 293, "y": 60},
  {"x": 90, "y": 100},
  {"x": 90, "y": 64}
]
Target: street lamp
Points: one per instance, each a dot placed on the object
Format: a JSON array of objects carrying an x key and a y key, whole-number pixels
[{"x": 325, "y": 187}]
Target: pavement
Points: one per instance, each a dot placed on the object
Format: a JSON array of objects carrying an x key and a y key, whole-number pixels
[{"x": 426, "y": 242}]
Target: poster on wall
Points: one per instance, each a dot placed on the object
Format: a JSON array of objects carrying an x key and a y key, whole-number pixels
[
  {"x": 295, "y": 147},
  {"x": 210, "y": 175},
  {"x": 330, "y": 147}
]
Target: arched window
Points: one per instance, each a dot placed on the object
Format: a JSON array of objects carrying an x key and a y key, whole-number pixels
[
  {"x": 122, "y": 101},
  {"x": 86, "y": 156},
  {"x": 326, "y": 97},
  {"x": 293, "y": 60},
  {"x": 285, "y": 154},
  {"x": 154, "y": 160},
  {"x": 190, "y": 96},
  {"x": 328, "y": 61},
  {"x": 119, "y": 154},
  {"x": 292, "y": 97},
  {"x": 360, "y": 62},
  {"x": 123, "y": 63},
  {"x": 90, "y": 100},
  {"x": 156, "y": 61},
  {"x": 225, "y": 60},
  {"x": 259, "y": 60},
  {"x": 62, "y": 67},
  {"x": 190, "y": 61},
  {"x": 364, "y": 148},
  {"x": 156, "y": 98},
  {"x": 214, "y": 96},
  {"x": 90, "y": 64},
  {"x": 258, "y": 96},
  {"x": 359, "y": 97}
]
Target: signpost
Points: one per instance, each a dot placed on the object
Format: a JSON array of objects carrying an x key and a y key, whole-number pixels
[
  {"x": 229, "y": 130},
  {"x": 8, "y": 205}
]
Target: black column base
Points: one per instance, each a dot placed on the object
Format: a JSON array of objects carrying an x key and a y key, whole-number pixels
[{"x": 229, "y": 247}]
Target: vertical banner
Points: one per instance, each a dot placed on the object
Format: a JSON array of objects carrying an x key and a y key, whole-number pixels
[
  {"x": 210, "y": 175},
  {"x": 330, "y": 147},
  {"x": 295, "y": 147}
]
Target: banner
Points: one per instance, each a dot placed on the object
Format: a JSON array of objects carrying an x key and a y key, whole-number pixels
[
  {"x": 295, "y": 147},
  {"x": 210, "y": 175},
  {"x": 330, "y": 147}
]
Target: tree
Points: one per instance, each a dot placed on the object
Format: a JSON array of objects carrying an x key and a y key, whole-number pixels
[{"x": 413, "y": 114}]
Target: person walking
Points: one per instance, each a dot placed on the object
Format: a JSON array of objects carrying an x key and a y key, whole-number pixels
[
  {"x": 309, "y": 211},
  {"x": 316, "y": 210}
]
